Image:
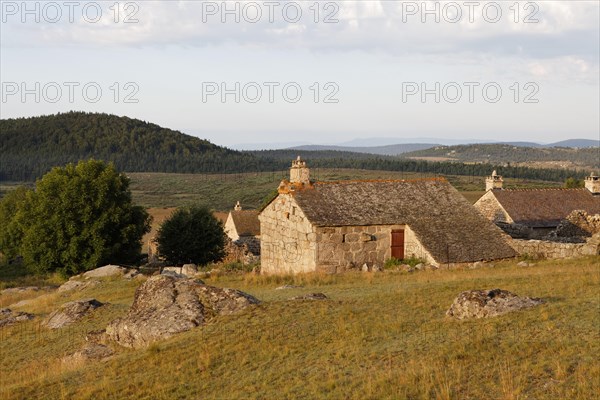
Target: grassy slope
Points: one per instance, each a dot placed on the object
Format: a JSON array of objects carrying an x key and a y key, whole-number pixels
[{"x": 379, "y": 336}]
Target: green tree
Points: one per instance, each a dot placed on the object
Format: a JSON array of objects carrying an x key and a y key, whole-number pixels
[
  {"x": 572, "y": 183},
  {"x": 191, "y": 235},
  {"x": 11, "y": 233},
  {"x": 80, "y": 217}
]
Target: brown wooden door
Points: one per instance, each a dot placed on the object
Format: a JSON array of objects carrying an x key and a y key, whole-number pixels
[{"x": 398, "y": 244}]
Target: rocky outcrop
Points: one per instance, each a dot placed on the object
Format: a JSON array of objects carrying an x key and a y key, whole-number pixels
[
  {"x": 488, "y": 303},
  {"x": 311, "y": 296},
  {"x": 164, "y": 306},
  {"x": 70, "y": 312},
  {"x": 90, "y": 352},
  {"x": 107, "y": 270},
  {"x": 285, "y": 287},
  {"x": 74, "y": 284},
  {"x": 9, "y": 317}
]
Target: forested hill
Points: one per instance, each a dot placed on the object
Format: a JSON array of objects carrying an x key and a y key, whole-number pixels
[{"x": 31, "y": 146}]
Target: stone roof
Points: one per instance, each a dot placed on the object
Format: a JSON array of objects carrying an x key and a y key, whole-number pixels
[
  {"x": 446, "y": 224},
  {"x": 545, "y": 207},
  {"x": 246, "y": 222}
]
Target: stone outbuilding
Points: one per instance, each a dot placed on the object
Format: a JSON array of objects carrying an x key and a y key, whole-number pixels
[
  {"x": 243, "y": 228},
  {"x": 534, "y": 213},
  {"x": 335, "y": 226}
]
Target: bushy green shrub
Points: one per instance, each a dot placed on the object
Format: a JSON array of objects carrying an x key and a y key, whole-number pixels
[{"x": 191, "y": 235}]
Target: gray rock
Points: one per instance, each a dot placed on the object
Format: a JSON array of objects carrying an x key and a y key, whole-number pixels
[
  {"x": 525, "y": 264},
  {"x": 20, "y": 289},
  {"x": 130, "y": 274},
  {"x": 311, "y": 296},
  {"x": 488, "y": 303},
  {"x": 107, "y": 270},
  {"x": 70, "y": 312},
  {"x": 9, "y": 317},
  {"x": 164, "y": 306},
  {"x": 172, "y": 274},
  {"x": 419, "y": 266},
  {"x": 365, "y": 268},
  {"x": 376, "y": 268},
  {"x": 90, "y": 352},
  {"x": 189, "y": 270},
  {"x": 77, "y": 285},
  {"x": 284, "y": 287}
]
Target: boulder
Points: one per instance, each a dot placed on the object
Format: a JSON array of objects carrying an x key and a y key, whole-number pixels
[
  {"x": 132, "y": 273},
  {"x": 311, "y": 296},
  {"x": 189, "y": 269},
  {"x": 107, "y": 270},
  {"x": 488, "y": 303},
  {"x": 9, "y": 317},
  {"x": 171, "y": 273},
  {"x": 77, "y": 285},
  {"x": 285, "y": 287},
  {"x": 70, "y": 312},
  {"x": 90, "y": 352},
  {"x": 364, "y": 268},
  {"x": 21, "y": 289},
  {"x": 525, "y": 264},
  {"x": 164, "y": 306}
]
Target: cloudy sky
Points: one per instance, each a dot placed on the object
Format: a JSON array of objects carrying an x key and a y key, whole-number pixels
[{"x": 275, "y": 72}]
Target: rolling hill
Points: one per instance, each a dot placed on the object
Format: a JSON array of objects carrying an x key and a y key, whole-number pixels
[
  {"x": 31, "y": 146},
  {"x": 541, "y": 157}
]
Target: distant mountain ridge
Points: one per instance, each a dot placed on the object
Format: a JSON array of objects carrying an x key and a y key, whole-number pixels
[{"x": 389, "y": 150}]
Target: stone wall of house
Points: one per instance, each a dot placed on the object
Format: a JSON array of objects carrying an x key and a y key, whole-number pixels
[
  {"x": 579, "y": 224},
  {"x": 229, "y": 228},
  {"x": 287, "y": 239},
  {"x": 414, "y": 248},
  {"x": 550, "y": 249},
  {"x": 489, "y": 207},
  {"x": 348, "y": 247},
  {"x": 252, "y": 243}
]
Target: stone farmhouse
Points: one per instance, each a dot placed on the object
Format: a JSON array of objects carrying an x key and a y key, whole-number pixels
[
  {"x": 335, "y": 226},
  {"x": 243, "y": 228},
  {"x": 534, "y": 213}
]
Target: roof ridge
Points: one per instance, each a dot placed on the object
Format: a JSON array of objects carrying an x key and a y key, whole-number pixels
[
  {"x": 541, "y": 189},
  {"x": 416, "y": 180}
]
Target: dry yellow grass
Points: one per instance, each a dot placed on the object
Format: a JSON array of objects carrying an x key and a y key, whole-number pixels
[{"x": 380, "y": 335}]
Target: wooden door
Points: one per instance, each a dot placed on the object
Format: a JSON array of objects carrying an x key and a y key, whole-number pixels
[{"x": 398, "y": 244}]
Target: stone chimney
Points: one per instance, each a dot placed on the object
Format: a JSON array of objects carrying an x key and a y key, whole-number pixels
[
  {"x": 592, "y": 183},
  {"x": 238, "y": 206},
  {"x": 299, "y": 173},
  {"x": 493, "y": 182}
]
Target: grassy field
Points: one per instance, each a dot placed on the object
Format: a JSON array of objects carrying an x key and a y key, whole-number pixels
[
  {"x": 379, "y": 336},
  {"x": 221, "y": 191}
]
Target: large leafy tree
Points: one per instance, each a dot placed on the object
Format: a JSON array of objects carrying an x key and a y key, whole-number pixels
[
  {"x": 11, "y": 233},
  {"x": 80, "y": 217},
  {"x": 191, "y": 235}
]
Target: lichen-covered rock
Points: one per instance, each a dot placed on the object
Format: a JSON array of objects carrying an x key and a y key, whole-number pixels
[
  {"x": 70, "y": 312},
  {"x": 90, "y": 352},
  {"x": 107, "y": 270},
  {"x": 164, "y": 306},
  {"x": 73, "y": 284},
  {"x": 488, "y": 303},
  {"x": 9, "y": 317},
  {"x": 310, "y": 296}
]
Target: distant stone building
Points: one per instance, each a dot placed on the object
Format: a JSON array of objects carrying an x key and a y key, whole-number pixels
[
  {"x": 243, "y": 228},
  {"x": 335, "y": 226},
  {"x": 534, "y": 213}
]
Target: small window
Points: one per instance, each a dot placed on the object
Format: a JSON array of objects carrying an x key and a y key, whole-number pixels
[{"x": 344, "y": 238}]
